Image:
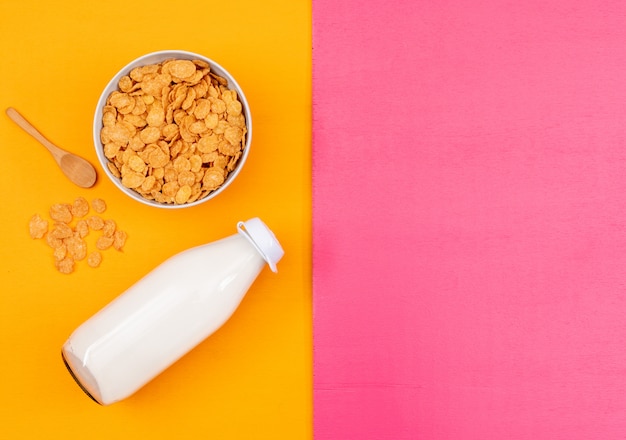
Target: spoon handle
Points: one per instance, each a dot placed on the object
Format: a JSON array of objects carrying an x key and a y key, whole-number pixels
[{"x": 31, "y": 130}]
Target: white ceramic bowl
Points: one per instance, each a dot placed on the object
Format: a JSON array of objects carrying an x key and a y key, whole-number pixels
[{"x": 154, "y": 58}]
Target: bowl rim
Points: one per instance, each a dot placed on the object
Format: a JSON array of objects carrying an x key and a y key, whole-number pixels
[{"x": 156, "y": 57}]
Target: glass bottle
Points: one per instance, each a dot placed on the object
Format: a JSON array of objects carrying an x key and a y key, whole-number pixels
[{"x": 167, "y": 313}]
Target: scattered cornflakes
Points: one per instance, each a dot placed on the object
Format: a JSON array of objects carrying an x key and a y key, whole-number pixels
[
  {"x": 66, "y": 265},
  {"x": 82, "y": 227},
  {"x": 119, "y": 239},
  {"x": 37, "y": 226},
  {"x": 61, "y": 230},
  {"x": 96, "y": 223},
  {"x": 80, "y": 207},
  {"x": 53, "y": 242},
  {"x": 94, "y": 259},
  {"x": 76, "y": 247},
  {"x": 173, "y": 131},
  {"x": 109, "y": 228},
  {"x": 60, "y": 252},
  {"x": 104, "y": 243},
  {"x": 99, "y": 205},
  {"x": 66, "y": 237},
  {"x": 60, "y": 212}
]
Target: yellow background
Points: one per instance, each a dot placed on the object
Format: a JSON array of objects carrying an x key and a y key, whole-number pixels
[{"x": 250, "y": 380}]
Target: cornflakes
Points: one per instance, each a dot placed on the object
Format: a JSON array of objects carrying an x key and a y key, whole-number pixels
[
  {"x": 213, "y": 178},
  {"x": 53, "y": 242},
  {"x": 66, "y": 236},
  {"x": 185, "y": 128},
  {"x": 59, "y": 253},
  {"x": 99, "y": 205},
  {"x": 80, "y": 207},
  {"x": 108, "y": 229},
  {"x": 37, "y": 226},
  {"x": 183, "y": 194},
  {"x": 94, "y": 259},
  {"x": 104, "y": 243},
  {"x": 60, "y": 212},
  {"x": 119, "y": 239},
  {"x": 132, "y": 179},
  {"x": 76, "y": 247},
  {"x": 66, "y": 265},
  {"x": 182, "y": 68},
  {"x": 82, "y": 228},
  {"x": 94, "y": 222},
  {"x": 61, "y": 231}
]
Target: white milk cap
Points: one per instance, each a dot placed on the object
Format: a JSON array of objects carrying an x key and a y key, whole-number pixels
[{"x": 263, "y": 239}]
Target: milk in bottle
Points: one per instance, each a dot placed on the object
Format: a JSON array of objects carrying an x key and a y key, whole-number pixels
[{"x": 167, "y": 313}]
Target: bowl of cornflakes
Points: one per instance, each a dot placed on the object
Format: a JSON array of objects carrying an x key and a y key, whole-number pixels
[{"x": 172, "y": 129}]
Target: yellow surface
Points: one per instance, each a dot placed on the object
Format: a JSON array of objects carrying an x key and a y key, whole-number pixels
[{"x": 252, "y": 379}]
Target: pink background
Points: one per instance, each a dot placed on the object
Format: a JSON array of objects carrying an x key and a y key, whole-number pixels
[{"x": 469, "y": 196}]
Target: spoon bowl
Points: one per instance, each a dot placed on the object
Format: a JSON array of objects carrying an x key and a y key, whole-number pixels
[{"x": 78, "y": 170}]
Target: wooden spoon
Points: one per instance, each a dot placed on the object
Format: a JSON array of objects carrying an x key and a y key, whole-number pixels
[{"x": 77, "y": 169}]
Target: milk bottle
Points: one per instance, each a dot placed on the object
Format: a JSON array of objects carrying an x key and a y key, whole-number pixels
[{"x": 167, "y": 313}]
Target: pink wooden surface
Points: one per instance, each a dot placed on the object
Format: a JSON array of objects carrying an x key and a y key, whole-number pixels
[{"x": 469, "y": 191}]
